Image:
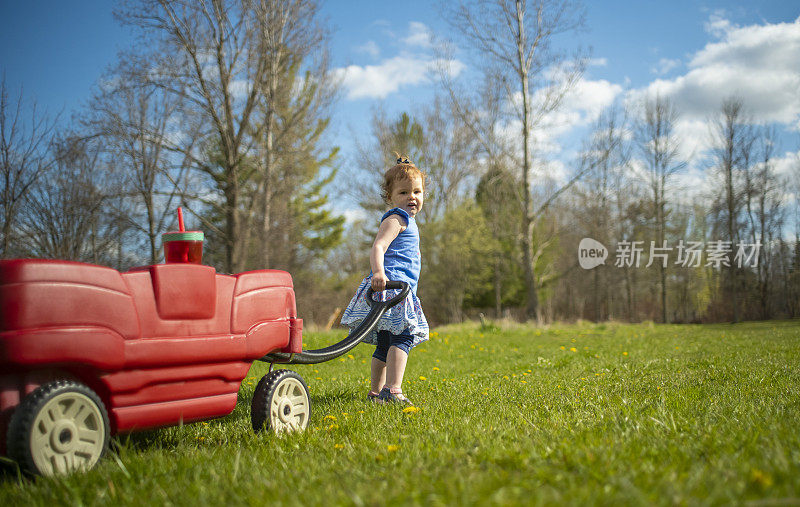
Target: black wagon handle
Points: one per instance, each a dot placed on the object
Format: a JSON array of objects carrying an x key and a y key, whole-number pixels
[
  {"x": 376, "y": 311},
  {"x": 391, "y": 284}
]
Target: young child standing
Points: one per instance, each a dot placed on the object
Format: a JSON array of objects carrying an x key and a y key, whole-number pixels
[{"x": 395, "y": 255}]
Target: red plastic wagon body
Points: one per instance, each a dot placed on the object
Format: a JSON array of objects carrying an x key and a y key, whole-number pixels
[{"x": 159, "y": 345}]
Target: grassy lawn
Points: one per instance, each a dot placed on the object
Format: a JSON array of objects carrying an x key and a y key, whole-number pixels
[{"x": 599, "y": 414}]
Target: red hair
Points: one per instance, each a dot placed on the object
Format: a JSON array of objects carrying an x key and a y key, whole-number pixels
[{"x": 402, "y": 170}]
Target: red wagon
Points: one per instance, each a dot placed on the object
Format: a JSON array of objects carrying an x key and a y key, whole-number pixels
[{"x": 88, "y": 352}]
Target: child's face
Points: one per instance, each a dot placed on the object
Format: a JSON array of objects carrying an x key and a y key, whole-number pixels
[{"x": 407, "y": 194}]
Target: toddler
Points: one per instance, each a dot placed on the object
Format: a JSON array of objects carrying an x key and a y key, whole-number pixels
[{"x": 395, "y": 255}]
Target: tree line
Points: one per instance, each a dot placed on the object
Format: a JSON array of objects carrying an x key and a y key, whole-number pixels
[{"x": 224, "y": 108}]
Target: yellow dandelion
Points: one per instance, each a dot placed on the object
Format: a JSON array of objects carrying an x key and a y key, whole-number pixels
[
  {"x": 524, "y": 381},
  {"x": 573, "y": 349},
  {"x": 563, "y": 347},
  {"x": 338, "y": 446},
  {"x": 423, "y": 378},
  {"x": 350, "y": 356},
  {"x": 763, "y": 479},
  {"x": 411, "y": 410},
  {"x": 505, "y": 377},
  {"x": 392, "y": 447},
  {"x": 329, "y": 418},
  {"x": 435, "y": 368},
  {"x": 624, "y": 353},
  {"x": 332, "y": 427}
]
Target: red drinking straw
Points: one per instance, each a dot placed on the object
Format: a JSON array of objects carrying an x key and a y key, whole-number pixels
[{"x": 180, "y": 220}]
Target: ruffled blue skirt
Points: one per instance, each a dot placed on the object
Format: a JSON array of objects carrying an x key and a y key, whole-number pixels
[{"x": 406, "y": 314}]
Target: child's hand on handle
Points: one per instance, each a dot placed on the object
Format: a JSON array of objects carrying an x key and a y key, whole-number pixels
[{"x": 379, "y": 281}]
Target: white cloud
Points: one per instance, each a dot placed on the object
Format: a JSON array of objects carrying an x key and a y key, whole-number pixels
[
  {"x": 414, "y": 65},
  {"x": 664, "y": 66},
  {"x": 695, "y": 138},
  {"x": 580, "y": 107},
  {"x": 788, "y": 166},
  {"x": 378, "y": 81},
  {"x": 418, "y": 35},
  {"x": 758, "y": 63},
  {"x": 370, "y": 48},
  {"x": 717, "y": 24}
]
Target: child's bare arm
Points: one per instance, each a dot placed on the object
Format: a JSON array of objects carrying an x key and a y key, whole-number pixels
[{"x": 388, "y": 230}]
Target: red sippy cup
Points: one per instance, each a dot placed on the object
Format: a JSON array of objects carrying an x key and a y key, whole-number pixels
[{"x": 183, "y": 245}]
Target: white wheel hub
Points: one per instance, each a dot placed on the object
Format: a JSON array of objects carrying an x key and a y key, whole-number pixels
[
  {"x": 289, "y": 409},
  {"x": 67, "y": 434}
]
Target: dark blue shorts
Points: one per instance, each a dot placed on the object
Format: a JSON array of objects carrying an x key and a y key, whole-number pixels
[{"x": 386, "y": 339}]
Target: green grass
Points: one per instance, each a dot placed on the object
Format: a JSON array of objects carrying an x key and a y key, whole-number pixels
[{"x": 598, "y": 414}]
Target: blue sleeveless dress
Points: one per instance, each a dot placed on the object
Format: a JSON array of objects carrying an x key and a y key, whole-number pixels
[{"x": 402, "y": 261}]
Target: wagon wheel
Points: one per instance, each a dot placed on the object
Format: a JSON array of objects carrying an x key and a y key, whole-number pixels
[
  {"x": 60, "y": 427},
  {"x": 280, "y": 403}
]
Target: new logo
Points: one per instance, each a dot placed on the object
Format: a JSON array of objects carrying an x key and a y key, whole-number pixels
[{"x": 591, "y": 253}]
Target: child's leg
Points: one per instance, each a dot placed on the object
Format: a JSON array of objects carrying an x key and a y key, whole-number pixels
[
  {"x": 395, "y": 367},
  {"x": 378, "y": 365},
  {"x": 377, "y": 375},
  {"x": 397, "y": 359}
]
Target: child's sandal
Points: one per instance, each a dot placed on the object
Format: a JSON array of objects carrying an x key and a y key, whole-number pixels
[
  {"x": 372, "y": 396},
  {"x": 387, "y": 396}
]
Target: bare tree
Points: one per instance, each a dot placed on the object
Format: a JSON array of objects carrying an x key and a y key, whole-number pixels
[
  {"x": 513, "y": 41},
  {"x": 766, "y": 212},
  {"x": 234, "y": 64},
  {"x": 290, "y": 36},
  {"x": 658, "y": 145},
  {"x": 605, "y": 156},
  {"x": 63, "y": 217},
  {"x": 135, "y": 122},
  {"x": 210, "y": 55},
  {"x": 732, "y": 140},
  {"x": 23, "y": 158}
]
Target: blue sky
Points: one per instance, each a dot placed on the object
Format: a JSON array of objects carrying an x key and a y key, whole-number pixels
[{"x": 693, "y": 51}]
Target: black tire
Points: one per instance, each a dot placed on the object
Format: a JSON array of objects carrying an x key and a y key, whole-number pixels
[
  {"x": 59, "y": 428},
  {"x": 280, "y": 403}
]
